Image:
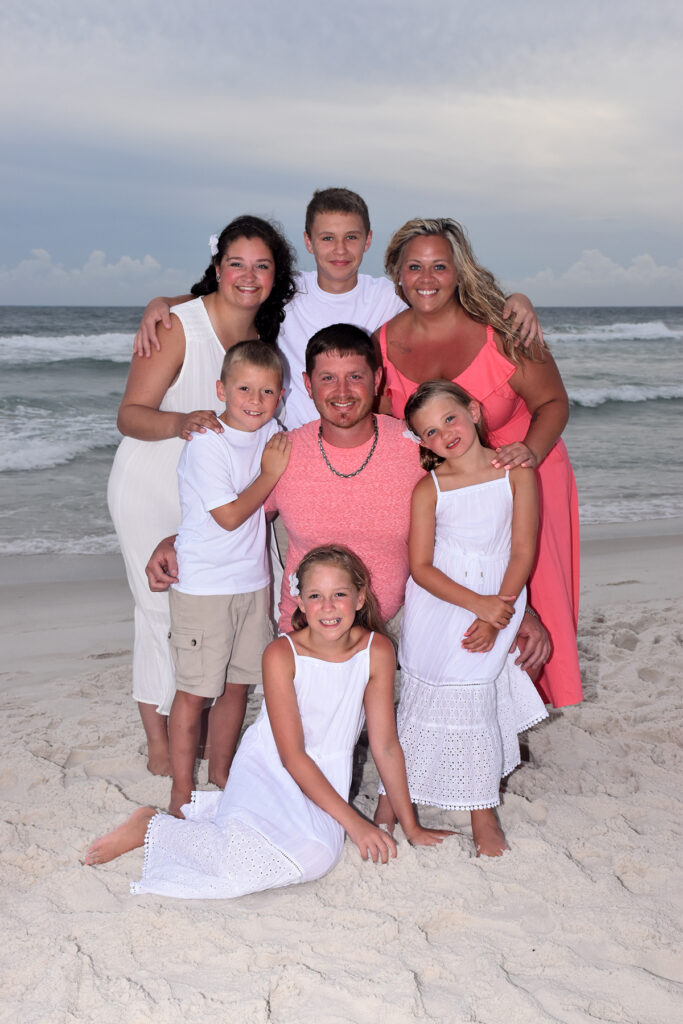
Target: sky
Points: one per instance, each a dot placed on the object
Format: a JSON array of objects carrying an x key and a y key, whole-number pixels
[{"x": 133, "y": 130}]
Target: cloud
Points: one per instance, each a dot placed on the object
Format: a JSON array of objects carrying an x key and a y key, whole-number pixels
[
  {"x": 127, "y": 282},
  {"x": 597, "y": 280}
]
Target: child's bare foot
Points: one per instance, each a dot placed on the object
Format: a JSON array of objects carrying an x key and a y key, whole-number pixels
[
  {"x": 179, "y": 795},
  {"x": 384, "y": 816},
  {"x": 488, "y": 836},
  {"x": 126, "y": 837}
]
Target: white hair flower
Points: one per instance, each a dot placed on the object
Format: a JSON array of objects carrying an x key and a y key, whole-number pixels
[
  {"x": 294, "y": 585},
  {"x": 411, "y": 435},
  {"x": 213, "y": 245}
]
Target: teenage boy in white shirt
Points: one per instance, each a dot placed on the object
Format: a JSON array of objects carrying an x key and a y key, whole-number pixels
[
  {"x": 337, "y": 234},
  {"x": 220, "y": 606}
]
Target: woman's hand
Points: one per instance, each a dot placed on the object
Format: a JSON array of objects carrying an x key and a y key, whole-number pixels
[
  {"x": 199, "y": 422},
  {"x": 374, "y": 843},
  {"x": 524, "y": 318},
  {"x": 512, "y": 456},
  {"x": 428, "y": 836},
  {"x": 494, "y": 609},
  {"x": 156, "y": 311},
  {"x": 480, "y": 637}
]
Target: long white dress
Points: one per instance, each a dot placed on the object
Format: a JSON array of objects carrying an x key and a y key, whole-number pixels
[
  {"x": 460, "y": 713},
  {"x": 143, "y": 503},
  {"x": 262, "y": 831}
]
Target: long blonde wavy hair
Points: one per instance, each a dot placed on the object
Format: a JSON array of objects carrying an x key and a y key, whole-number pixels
[{"x": 477, "y": 290}]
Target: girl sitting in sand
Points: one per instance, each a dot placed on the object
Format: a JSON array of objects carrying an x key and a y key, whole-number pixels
[
  {"x": 471, "y": 547},
  {"x": 282, "y": 816}
]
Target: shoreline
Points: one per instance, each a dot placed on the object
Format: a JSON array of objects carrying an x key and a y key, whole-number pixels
[{"x": 62, "y": 613}]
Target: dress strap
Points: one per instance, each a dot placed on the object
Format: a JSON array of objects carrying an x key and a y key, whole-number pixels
[
  {"x": 436, "y": 482},
  {"x": 291, "y": 644},
  {"x": 367, "y": 646}
]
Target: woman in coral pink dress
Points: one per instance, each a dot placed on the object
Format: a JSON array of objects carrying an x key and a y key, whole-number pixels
[{"x": 454, "y": 329}]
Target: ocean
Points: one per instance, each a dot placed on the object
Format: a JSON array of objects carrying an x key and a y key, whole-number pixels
[{"x": 64, "y": 371}]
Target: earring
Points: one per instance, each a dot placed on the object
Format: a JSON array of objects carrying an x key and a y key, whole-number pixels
[{"x": 218, "y": 276}]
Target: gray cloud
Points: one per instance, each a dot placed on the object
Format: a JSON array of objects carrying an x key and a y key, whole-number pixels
[{"x": 548, "y": 130}]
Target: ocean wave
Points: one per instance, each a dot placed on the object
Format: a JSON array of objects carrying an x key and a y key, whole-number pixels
[
  {"x": 590, "y": 398},
  {"x": 92, "y": 544},
  {"x": 651, "y": 330},
  {"x": 20, "y": 350},
  {"x": 629, "y": 510},
  {"x": 31, "y": 439}
]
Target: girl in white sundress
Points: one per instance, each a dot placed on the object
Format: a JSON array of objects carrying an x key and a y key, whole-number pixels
[
  {"x": 471, "y": 547},
  {"x": 282, "y": 816}
]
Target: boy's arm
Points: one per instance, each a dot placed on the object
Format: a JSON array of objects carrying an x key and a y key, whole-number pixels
[
  {"x": 156, "y": 311},
  {"x": 273, "y": 464},
  {"x": 524, "y": 318}
]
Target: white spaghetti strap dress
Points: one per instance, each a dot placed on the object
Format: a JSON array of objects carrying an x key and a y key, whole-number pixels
[
  {"x": 262, "y": 831},
  {"x": 460, "y": 713}
]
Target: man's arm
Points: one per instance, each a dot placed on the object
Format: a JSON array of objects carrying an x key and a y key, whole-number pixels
[
  {"x": 534, "y": 644},
  {"x": 162, "y": 568}
]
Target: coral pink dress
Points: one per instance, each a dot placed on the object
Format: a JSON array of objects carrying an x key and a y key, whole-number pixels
[{"x": 554, "y": 581}]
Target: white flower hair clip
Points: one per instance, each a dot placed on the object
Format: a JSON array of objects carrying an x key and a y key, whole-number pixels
[
  {"x": 213, "y": 245},
  {"x": 294, "y": 585},
  {"x": 411, "y": 435}
]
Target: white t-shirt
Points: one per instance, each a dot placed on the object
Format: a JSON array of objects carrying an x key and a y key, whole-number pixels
[
  {"x": 213, "y": 470},
  {"x": 369, "y": 305}
]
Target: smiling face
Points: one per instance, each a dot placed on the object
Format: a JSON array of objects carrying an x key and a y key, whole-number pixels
[
  {"x": 329, "y": 600},
  {"x": 247, "y": 272},
  {"x": 446, "y": 427},
  {"x": 427, "y": 273},
  {"x": 343, "y": 387},
  {"x": 338, "y": 242},
  {"x": 251, "y": 395}
]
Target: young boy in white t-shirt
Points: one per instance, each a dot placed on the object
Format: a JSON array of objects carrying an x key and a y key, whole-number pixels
[{"x": 220, "y": 607}]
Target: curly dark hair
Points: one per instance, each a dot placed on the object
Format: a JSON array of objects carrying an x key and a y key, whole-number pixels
[{"x": 271, "y": 313}]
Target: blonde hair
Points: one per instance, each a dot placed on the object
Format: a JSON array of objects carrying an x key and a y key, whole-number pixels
[
  {"x": 434, "y": 389},
  {"x": 336, "y": 554},
  {"x": 478, "y": 291}
]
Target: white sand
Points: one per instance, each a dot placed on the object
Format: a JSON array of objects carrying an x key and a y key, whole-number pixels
[{"x": 577, "y": 923}]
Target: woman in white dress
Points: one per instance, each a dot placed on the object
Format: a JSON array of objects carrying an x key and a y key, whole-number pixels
[
  {"x": 282, "y": 816},
  {"x": 168, "y": 395}
]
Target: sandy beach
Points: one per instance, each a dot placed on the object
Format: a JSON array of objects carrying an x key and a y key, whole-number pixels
[{"x": 579, "y": 922}]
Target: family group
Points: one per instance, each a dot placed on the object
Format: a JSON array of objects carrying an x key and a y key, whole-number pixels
[{"x": 420, "y": 490}]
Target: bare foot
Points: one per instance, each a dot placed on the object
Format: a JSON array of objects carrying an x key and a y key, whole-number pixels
[
  {"x": 384, "y": 816},
  {"x": 488, "y": 836},
  {"x": 126, "y": 837},
  {"x": 179, "y": 796}
]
